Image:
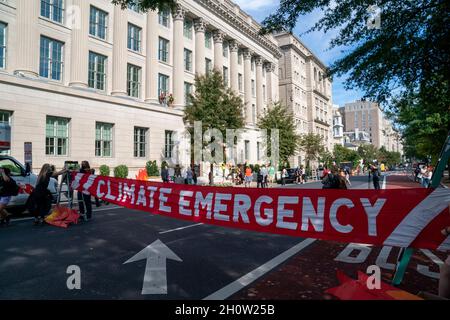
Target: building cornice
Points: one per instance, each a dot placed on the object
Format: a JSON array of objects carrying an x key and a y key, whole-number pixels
[{"x": 225, "y": 13}]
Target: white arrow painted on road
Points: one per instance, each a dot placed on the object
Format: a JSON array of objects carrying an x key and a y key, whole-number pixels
[{"x": 155, "y": 277}]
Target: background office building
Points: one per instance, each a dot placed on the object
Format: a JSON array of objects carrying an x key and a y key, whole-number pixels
[
  {"x": 85, "y": 80},
  {"x": 305, "y": 90}
]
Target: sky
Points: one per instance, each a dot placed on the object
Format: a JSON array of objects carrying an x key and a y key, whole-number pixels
[{"x": 317, "y": 42}]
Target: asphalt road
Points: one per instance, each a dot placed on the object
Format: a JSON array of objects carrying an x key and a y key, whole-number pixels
[{"x": 216, "y": 262}]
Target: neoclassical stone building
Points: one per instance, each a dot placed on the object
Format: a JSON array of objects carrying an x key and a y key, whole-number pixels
[
  {"x": 306, "y": 90},
  {"x": 85, "y": 80}
]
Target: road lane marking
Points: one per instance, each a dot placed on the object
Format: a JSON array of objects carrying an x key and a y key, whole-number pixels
[
  {"x": 383, "y": 185},
  {"x": 181, "y": 228},
  {"x": 250, "y": 277}
]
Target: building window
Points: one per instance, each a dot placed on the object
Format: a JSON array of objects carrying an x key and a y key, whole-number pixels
[
  {"x": 168, "y": 145},
  {"x": 134, "y": 37},
  {"x": 51, "y": 63},
  {"x": 187, "y": 29},
  {"x": 103, "y": 139},
  {"x": 258, "y": 151},
  {"x": 163, "y": 84},
  {"x": 208, "y": 41},
  {"x": 239, "y": 57},
  {"x": 98, "y": 23},
  {"x": 163, "y": 50},
  {"x": 133, "y": 81},
  {"x": 164, "y": 18},
  {"x": 134, "y": 7},
  {"x": 187, "y": 60},
  {"x": 264, "y": 93},
  {"x": 56, "y": 136},
  {"x": 97, "y": 71},
  {"x": 5, "y": 116},
  {"x": 187, "y": 92},
  {"x": 240, "y": 82},
  {"x": 253, "y": 113},
  {"x": 208, "y": 65},
  {"x": 253, "y": 64},
  {"x": 225, "y": 49},
  {"x": 253, "y": 88},
  {"x": 247, "y": 149},
  {"x": 2, "y": 45},
  {"x": 225, "y": 76},
  {"x": 53, "y": 10},
  {"x": 140, "y": 142}
]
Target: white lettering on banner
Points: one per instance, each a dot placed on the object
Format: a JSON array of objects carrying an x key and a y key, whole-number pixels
[
  {"x": 267, "y": 212},
  {"x": 374, "y": 279},
  {"x": 100, "y": 183},
  {"x": 309, "y": 214},
  {"x": 204, "y": 202},
  {"x": 286, "y": 213},
  {"x": 119, "y": 197},
  {"x": 128, "y": 192},
  {"x": 141, "y": 200},
  {"x": 372, "y": 213},
  {"x": 333, "y": 215},
  {"x": 221, "y": 207},
  {"x": 183, "y": 203},
  {"x": 345, "y": 255},
  {"x": 151, "y": 196},
  {"x": 242, "y": 204},
  {"x": 76, "y": 181},
  {"x": 109, "y": 196},
  {"x": 88, "y": 184},
  {"x": 163, "y": 199}
]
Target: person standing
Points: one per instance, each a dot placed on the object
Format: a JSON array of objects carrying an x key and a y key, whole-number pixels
[
  {"x": 426, "y": 177},
  {"x": 39, "y": 202},
  {"x": 271, "y": 173},
  {"x": 84, "y": 197},
  {"x": 284, "y": 175},
  {"x": 375, "y": 176},
  {"x": 165, "y": 174},
  {"x": 189, "y": 175},
  {"x": 264, "y": 174},
  {"x": 7, "y": 184},
  {"x": 248, "y": 176}
]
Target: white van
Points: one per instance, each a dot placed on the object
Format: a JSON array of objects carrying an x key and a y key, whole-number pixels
[{"x": 22, "y": 176}]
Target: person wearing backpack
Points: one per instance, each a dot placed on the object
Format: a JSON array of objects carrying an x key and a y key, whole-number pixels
[
  {"x": 8, "y": 189},
  {"x": 375, "y": 177}
]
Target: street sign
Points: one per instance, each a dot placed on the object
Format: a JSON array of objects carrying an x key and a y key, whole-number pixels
[
  {"x": 28, "y": 152},
  {"x": 155, "y": 276}
]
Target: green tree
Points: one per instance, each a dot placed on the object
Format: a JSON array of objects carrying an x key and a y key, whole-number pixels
[
  {"x": 279, "y": 117},
  {"x": 367, "y": 152},
  {"x": 311, "y": 144},
  {"x": 215, "y": 104},
  {"x": 342, "y": 154},
  {"x": 404, "y": 64}
]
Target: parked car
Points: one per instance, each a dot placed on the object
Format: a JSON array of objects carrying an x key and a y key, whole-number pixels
[
  {"x": 20, "y": 174},
  {"x": 290, "y": 178}
]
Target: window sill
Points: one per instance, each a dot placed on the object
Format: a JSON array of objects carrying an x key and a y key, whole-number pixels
[
  {"x": 139, "y": 53},
  {"x": 99, "y": 39},
  {"x": 60, "y": 24}
]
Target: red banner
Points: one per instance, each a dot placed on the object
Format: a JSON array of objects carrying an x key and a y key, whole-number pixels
[{"x": 394, "y": 217}]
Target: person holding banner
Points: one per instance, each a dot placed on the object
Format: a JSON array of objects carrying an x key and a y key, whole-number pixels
[
  {"x": 39, "y": 202},
  {"x": 84, "y": 197}
]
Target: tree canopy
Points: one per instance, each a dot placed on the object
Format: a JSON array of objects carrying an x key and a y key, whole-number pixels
[
  {"x": 312, "y": 145},
  {"x": 145, "y": 5},
  {"x": 279, "y": 117},
  {"x": 404, "y": 64}
]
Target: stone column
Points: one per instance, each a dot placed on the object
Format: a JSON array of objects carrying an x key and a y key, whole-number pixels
[
  {"x": 151, "y": 61},
  {"x": 218, "y": 37},
  {"x": 79, "y": 46},
  {"x": 27, "y": 56},
  {"x": 200, "y": 28},
  {"x": 259, "y": 86},
  {"x": 119, "y": 72},
  {"x": 234, "y": 48},
  {"x": 270, "y": 68},
  {"x": 178, "y": 56},
  {"x": 248, "y": 85}
]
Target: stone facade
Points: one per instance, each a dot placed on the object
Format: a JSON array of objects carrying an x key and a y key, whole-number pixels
[{"x": 136, "y": 65}]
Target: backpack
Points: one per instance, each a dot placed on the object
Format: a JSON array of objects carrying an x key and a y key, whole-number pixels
[
  {"x": 10, "y": 188},
  {"x": 332, "y": 182}
]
